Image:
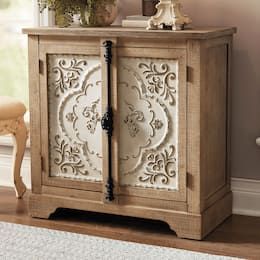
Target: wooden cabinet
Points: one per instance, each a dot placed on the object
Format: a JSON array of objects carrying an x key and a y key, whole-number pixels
[{"x": 132, "y": 122}]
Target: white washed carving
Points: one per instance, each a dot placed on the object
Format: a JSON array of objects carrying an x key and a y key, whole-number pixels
[
  {"x": 148, "y": 96},
  {"x": 74, "y": 94}
]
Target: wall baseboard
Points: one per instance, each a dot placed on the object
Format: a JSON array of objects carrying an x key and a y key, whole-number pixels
[
  {"x": 6, "y": 162},
  {"x": 246, "y": 196},
  {"x": 246, "y": 193}
]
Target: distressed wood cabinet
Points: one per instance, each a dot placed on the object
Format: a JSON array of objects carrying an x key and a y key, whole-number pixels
[{"x": 132, "y": 122}]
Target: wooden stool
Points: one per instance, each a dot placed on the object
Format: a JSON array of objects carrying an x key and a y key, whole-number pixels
[{"x": 12, "y": 122}]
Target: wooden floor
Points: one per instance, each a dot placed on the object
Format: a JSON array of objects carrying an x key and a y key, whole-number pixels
[{"x": 237, "y": 236}]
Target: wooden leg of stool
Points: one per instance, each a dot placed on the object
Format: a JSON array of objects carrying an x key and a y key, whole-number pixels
[{"x": 20, "y": 138}]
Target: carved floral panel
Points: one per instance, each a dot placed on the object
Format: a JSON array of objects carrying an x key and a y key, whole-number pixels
[
  {"x": 148, "y": 94},
  {"x": 74, "y": 95}
]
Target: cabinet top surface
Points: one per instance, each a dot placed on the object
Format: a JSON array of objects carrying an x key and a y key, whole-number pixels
[{"x": 117, "y": 31}]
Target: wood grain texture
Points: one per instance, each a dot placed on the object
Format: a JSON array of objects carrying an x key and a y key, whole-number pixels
[
  {"x": 193, "y": 125},
  {"x": 203, "y": 198},
  {"x": 238, "y": 236},
  {"x": 35, "y": 113},
  {"x": 147, "y": 43},
  {"x": 213, "y": 127},
  {"x": 215, "y": 111},
  {"x": 118, "y": 31},
  {"x": 186, "y": 225},
  {"x": 20, "y": 138}
]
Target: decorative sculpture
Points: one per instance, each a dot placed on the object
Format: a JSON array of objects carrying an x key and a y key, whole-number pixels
[{"x": 168, "y": 16}]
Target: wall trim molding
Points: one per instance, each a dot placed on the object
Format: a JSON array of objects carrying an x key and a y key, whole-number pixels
[
  {"x": 6, "y": 162},
  {"x": 246, "y": 192},
  {"x": 246, "y": 196}
]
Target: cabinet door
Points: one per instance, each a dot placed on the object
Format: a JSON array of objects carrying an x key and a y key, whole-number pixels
[
  {"x": 152, "y": 104},
  {"x": 71, "y": 105}
]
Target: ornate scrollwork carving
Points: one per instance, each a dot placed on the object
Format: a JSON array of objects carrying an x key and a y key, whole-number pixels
[
  {"x": 151, "y": 86},
  {"x": 157, "y": 124},
  {"x": 91, "y": 113},
  {"x": 132, "y": 120},
  {"x": 70, "y": 117},
  {"x": 69, "y": 157},
  {"x": 160, "y": 80},
  {"x": 67, "y": 74},
  {"x": 158, "y": 166},
  {"x": 78, "y": 112}
]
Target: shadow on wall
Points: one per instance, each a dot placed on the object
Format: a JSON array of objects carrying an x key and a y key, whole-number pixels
[
  {"x": 128, "y": 7},
  {"x": 246, "y": 120},
  {"x": 245, "y": 75}
]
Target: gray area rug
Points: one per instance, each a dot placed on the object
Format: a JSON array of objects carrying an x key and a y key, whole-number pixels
[{"x": 25, "y": 242}]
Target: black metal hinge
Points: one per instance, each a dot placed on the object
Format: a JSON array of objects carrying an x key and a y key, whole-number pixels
[
  {"x": 188, "y": 179},
  {"x": 42, "y": 164},
  {"x": 189, "y": 75},
  {"x": 108, "y": 53},
  {"x": 41, "y": 66}
]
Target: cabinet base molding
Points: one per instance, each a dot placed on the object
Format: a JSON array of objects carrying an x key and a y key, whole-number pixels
[{"x": 184, "y": 224}]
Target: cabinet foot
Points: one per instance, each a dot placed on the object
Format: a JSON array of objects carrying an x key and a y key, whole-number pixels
[
  {"x": 38, "y": 209},
  {"x": 187, "y": 226},
  {"x": 197, "y": 226}
]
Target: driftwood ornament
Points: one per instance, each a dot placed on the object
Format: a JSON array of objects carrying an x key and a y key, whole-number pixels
[{"x": 168, "y": 16}]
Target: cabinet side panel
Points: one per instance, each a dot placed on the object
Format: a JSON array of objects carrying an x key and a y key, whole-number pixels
[
  {"x": 195, "y": 56},
  {"x": 35, "y": 126},
  {"x": 214, "y": 121}
]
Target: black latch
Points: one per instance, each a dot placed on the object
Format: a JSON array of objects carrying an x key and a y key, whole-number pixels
[{"x": 107, "y": 122}]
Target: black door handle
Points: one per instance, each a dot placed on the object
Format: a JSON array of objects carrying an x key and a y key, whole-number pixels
[{"x": 107, "y": 120}]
